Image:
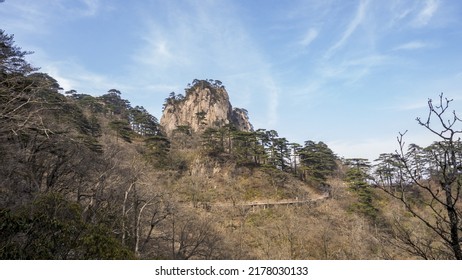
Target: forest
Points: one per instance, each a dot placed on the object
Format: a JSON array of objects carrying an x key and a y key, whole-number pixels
[{"x": 95, "y": 177}]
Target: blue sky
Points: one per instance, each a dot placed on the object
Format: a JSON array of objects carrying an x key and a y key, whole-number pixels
[{"x": 350, "y": 73}]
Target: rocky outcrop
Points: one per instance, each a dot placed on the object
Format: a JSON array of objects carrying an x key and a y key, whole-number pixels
[
  {"x": 205, "y": 105},
  {"x": 240, "y": 119}
]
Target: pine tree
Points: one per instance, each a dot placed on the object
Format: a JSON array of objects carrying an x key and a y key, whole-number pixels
[{"x": 318, "y": 160}]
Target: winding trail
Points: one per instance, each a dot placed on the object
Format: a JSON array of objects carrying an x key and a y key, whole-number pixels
[{"x": 268, "y": 204}]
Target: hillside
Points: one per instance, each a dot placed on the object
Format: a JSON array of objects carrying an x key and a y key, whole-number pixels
[{"x": 94, "y": 177}]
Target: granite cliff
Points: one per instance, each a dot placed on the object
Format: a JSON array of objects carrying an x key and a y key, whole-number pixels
[{"x": 205, "y": 105}]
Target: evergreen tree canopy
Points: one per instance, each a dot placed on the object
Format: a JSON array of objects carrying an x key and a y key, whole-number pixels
[
  {"x": 12, "y": 58},
  {"x": 318, "y": 159}
]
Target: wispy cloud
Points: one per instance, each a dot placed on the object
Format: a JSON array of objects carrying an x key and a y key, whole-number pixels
[
  {"x": 426, "y": 13},
  {"x": 414, "y": 45},
  {"x": 273, "y": 101},
  {"x": 40, "y": 17},
  {"x": 159, "y": 50},
  {"x": 30, "y": 16},
  {"x": 73, "y": 76},
  {"x": 411, "y": 106},
  {"x": 368, "y": 148},
  {"x": 351, "y": 28},
  {"x": 205, "y": 40},
  {"x": 91, "y": 7},
  {"x": 352, "y": 69},
  {"x": 309, "y": 37},
  {"x": 43, "y": 18}
]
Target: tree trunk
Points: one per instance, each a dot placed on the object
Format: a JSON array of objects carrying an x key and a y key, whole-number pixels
[{"x": 453, "y": 223}]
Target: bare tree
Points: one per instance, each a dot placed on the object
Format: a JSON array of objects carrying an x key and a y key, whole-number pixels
[
  {"x": 193, "y": 237},
  {"x": 440, "y": 191}
]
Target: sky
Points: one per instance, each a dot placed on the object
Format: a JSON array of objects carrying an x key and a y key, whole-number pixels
[{"x": 350, "y": 73}]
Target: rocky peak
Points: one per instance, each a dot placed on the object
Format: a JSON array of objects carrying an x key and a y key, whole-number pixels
[{"x": 205, "y": 105}]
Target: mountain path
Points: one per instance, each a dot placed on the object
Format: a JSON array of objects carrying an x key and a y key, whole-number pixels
[{"x": 287, "y": 202}]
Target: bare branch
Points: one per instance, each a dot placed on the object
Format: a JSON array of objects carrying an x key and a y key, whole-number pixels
[{"x": 442, "y": 187}]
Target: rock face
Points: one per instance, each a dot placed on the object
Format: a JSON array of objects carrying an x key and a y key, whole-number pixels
[{"x": 206, "y": 105}]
